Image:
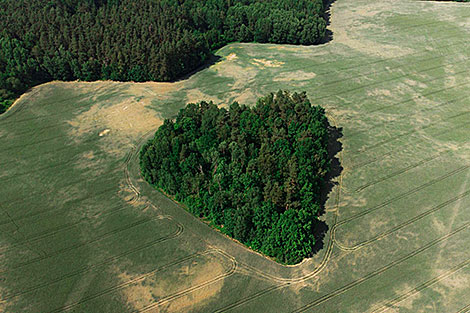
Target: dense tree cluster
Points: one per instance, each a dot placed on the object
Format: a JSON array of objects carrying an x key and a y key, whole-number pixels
[
  {"x": 256, "y": 172},
  {"x": 137, "y": 40}
]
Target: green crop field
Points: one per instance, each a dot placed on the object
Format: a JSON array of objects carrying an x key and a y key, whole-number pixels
[{"x": 80, "y": 231}]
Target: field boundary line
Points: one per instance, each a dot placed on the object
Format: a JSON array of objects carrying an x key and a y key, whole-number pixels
[{"x": 458, "y": 34}]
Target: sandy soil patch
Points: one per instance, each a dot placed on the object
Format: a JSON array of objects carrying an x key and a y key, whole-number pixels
[
  {"x": 2, "y": 304},
  {"x": 294, "y": 76},
  {"x": 243, "y": 75},
  {"x": 454, "y": 283},
  {"x": 91, "y": 162},
  {"x": 151, "y": 90},
  {"x": 232, "y": 56},
  {"x": 246, "y": 96},
  {"x": 267, "y": 63},
  {"x": 176, "y": 279},
  {"x": 288, "y": 48},
  {"x": 347, "y": 23},
  {"x": 119, "y": 121},
  {"x": 379, "y": 92}
]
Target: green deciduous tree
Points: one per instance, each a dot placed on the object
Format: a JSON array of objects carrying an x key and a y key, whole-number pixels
[{"x": 254, "y": 172}]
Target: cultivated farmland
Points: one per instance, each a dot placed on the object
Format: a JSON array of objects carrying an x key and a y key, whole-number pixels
[{"x": 82, "y": 232}]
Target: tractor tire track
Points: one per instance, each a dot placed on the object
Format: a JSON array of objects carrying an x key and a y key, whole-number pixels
[
  {"x": 57, "y": 165},
  {"x": 383, "y": 269},
  {"x": 37, "y": 213},
  {"x": 465, "y": 309},
  {"x": 400, "y": 76},
  {"x": 51, "y": 232},
  {"x": 252, "y": 297},
  {"x": 400, "y": 226},
  {"x": 457, "y": 34},
  {"x": 411, "y": 132},
  {"x": 51, "y": 152},
  {"x": 71, "y": 184},
  {"x": 402, "y": 171},
  {"x": 404, "y": 195},
  {"x": 184, "y": 292},
  {"x": 288, "y": 281},
  {"x": 380, "y": 157},
  {"x": 91, "y": 131},
  {"x": 36, "y": 89},
  {"x": 88, "y": 268},
  {"x": 442, "y": 104},
  {"x": 423, "y": 286},
  {"x": 149, "y": 274},
  {"x": 82, "y": 244}
]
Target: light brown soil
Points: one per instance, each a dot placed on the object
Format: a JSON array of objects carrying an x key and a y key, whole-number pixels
[
  {"x": 231, "y": 56},
  {"x": 267, "y": 63},
  {"x": 173, "y": 280},
  {"x": 346, "y": 23},
  {"x": 121, "y": 120}
]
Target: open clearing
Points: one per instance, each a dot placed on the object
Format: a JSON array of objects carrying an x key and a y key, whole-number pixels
[{"x": 81, "y": 232}]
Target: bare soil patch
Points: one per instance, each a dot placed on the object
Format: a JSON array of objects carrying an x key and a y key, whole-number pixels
[
  {"x": 120, "y": 120},
  {"x": 267, "y": 63},
  {"x": 347, "y": 23},
  {"x": 173, "y": 280}
]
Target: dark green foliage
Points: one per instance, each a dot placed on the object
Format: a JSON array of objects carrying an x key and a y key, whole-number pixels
[
  {"x": 136, "y": 40},
  {"x": 256, "y": 172}
]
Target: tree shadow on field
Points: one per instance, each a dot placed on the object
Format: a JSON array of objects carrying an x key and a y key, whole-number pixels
[
  {"x": 211, "y": 60},
  {"x": 327, "y": 15},
  {"x": 334, "y": 148}
]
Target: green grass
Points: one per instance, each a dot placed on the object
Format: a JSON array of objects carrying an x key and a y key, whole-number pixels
[{"x": 74, "y": 235}]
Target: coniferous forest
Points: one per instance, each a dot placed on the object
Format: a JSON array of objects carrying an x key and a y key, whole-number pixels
[
  {"x": 256, "y": 173},
  {"x": 137, "y": 40}
]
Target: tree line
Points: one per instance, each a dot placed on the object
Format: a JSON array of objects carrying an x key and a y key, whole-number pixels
[
  {"x": 255, "y": 173},
  {"x": 137, "y": 40}
]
